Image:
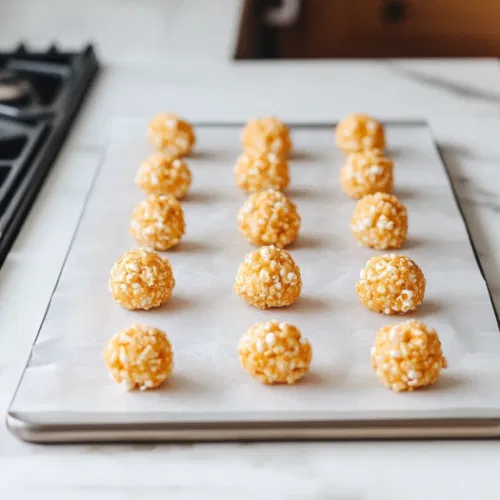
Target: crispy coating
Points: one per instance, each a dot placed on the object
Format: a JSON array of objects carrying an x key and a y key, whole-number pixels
[
  {"x": 407, "y": 356},
  {"x": 380, "y": 221},
  {"x": 139, "y": 357},
  {"x": 141, "y": 279},
  {"x": 158, "y": 222},
  {"x": 171, "y": 135},
  {"x": 275, "y": 353},
  {"x": 367, "y": 172},
  {"x": 268, "y": 277},
  {"x": 357, "y": 132},
  {"x": 164, "y": 174},
  {"x": 255, "y": 172},
  {"x": 267, "y": 135},
  {"x": 269, "y": 218},
  {"x": 391, "y": 284}
]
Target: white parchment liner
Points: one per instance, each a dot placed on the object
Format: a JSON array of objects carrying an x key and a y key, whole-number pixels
[{"x": 205, "y": 319}]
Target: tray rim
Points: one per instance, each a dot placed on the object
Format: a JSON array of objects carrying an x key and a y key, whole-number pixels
[
  {"x": 26, "y": 429},
  {"x": 57, "y": 427}
]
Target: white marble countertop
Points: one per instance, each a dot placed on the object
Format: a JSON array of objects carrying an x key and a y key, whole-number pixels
[{"x": 176, "y": 55}]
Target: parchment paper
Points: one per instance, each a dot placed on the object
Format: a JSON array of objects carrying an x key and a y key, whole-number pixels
[{"x": 205, "y": 319}]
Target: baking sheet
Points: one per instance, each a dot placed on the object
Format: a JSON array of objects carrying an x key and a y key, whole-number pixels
[{"x": 204, "y": 319}]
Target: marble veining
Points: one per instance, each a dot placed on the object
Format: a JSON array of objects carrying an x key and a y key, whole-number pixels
[{"x": 447, "y": 86}]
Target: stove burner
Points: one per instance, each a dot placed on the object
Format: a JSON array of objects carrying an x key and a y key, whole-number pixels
[
  {"x": 40, "y": 94},
  {"x": 13, "y": 89}
]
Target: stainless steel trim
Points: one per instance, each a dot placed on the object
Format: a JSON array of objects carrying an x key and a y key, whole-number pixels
[{"x": 250, "y": 431}]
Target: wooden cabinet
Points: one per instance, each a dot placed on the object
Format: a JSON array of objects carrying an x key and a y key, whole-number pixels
[{"x": 391, "y": 28}]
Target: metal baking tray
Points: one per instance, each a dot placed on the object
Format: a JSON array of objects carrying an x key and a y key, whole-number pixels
[{"x": 65, "y": 393}]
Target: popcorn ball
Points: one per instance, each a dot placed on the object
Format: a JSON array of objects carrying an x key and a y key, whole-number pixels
[
  {"x": 267, "y": 135},
  {"x": 380, "y": 221},
  {"x": 269, "y": 218},
  {"x": 169, "y": 134},
  {"x": 275, "y": 353},
  {"x": 164, "y": 174},
  {"x": 139, "y": 357},
  {"x": 357, "y": 132},
  {"x": 158, "y": 222},
  {"x": 141, "y": 279},
  {"x": 367, "y": 172},
  {"x": 268, "y": 278},
  {"x": 255, "y": 172},
  {"x": 407, "y": 356},
  {"x": 391, "y": 284}
]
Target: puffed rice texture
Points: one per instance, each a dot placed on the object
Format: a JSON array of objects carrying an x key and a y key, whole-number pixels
[
  {"x": 275, "y": 353},
  {"x": 358, "y": 131},
  {"x": 267, "y": 135},
  {"x": 139, "y": 357},
  {"x": 391, "y": 284},
  {"x": 164, "y": 174},
  {"x": 158, "y": 222},
  {"x": 256, "y": 172},
  {"x": 380, "y": 221},
  {"x": 141, "y": 279},
  {"x": 367, "y": 172},
  {"x": 268, "y": 277},
  {"x": 269, "y": 218},
  {"x": 170, "y": 134},
  {"x": 407, "y": 356}
]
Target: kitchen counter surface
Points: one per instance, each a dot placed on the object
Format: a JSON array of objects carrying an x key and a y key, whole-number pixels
[{"x": 176, "y": 55}]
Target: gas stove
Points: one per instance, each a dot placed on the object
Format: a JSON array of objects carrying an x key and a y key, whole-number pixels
[{"x": 40, "y": 95}]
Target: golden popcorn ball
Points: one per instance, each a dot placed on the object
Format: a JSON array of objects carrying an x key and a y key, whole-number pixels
[
  {"x": 164, "y": 174},
  {"x": 170, "y": 134},
  {"x": 367, "y": 172},
  {"x": 391, "y": 284},
  {"x": 380, "y": 221},
  {"x": 275, "y": 353},
  {"x": 357, "y": 132},
  {"x": 139, "y": 357},
  {"x": 158, "y": 222},
  {"x": 407, "y": 356},
  {"x": 268, "y": 278},
  {"x": 269, "y": 218},
  {"x": 141, "y": 279},
  {"x": 267, "y": 135},
  {"x": 262, "y": 171}
]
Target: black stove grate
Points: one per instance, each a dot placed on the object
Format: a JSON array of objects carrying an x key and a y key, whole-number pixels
[{"x": 40, "y": 95}]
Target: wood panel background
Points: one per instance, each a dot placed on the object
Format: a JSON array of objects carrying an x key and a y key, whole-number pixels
[{"x": 391, "y": 28}]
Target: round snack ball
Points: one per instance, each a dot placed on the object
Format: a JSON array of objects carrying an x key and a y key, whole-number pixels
[
  {"x": 141, "y": 279},
  {"x": 391, "y": 284},
  {"x": 268, "y": 278},
  {"x": 407, "y": 356},
  {"x": 139, "y": 357},
  {"x": 255, "y": 172},
  {"x": 357, "y": 132},
  {"x": 158, "y": 222},
  {"x": 267, "y": 135},
  {"x": 269, "y": 218},
  {"x": 380, "y": 221},
  {"x": 170, "y": 134},
  {"x": 367, "y": 172},
  {"x": 275, "y": 353},
  {"x": 164, "y": 174}
]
